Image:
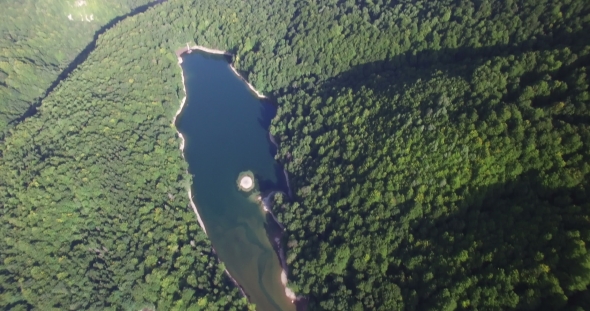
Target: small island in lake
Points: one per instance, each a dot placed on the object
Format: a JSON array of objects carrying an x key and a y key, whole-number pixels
[{"x": 246, "y": 181}]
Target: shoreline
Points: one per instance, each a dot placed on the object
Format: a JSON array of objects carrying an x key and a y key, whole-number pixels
[
  {"x": 190, "y": 196},
  {"x": 284, "y": 280},
  {"x": 182, "y": 103},
  {"x": 265, "y": 202},
  {"x": 280, "y": 251},
  {"x": 273, "y": 140},
  {"x": 189, "y": 49}
]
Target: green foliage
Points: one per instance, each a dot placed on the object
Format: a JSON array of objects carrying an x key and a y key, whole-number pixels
[
  {"x": 457, "y": 177},
  {"x": 94, "y": 202},
  {"x": 38, "y": 43},
  {"x": 438, "y": 153}
]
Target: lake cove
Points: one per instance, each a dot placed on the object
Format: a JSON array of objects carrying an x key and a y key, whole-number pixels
[{"x": 225, "y": 128}]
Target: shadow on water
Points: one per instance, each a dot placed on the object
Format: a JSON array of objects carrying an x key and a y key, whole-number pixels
[
  {"x": 281, "y": 178},
  {"x": 265, "y": 185},
  {"x": 81, "y": 58},
  {"x": 211, "y": 56},
  {"x": 268, "y": 110}
]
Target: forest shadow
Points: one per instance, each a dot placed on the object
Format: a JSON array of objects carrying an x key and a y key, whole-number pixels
[
  {"x": 446, "y": 58},
  {"x": 81, "y": 58},
  {"x": 267, "y": 185},
  {"x": 267, "y": 112},
  {"x": 509, "y": 220},
  {"x": 383, "y": 77},
  {"x": 513, "y": 226}
]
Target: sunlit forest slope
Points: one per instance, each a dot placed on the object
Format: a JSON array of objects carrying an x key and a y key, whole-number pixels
[
  {"x": 438, "y": 153},
  {"x": 39, "y": 41}
]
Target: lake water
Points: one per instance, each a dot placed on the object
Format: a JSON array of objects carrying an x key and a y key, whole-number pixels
[{"x": 226, "y": 132}]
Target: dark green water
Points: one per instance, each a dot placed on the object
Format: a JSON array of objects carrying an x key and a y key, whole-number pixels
[{"x": 226, "y": 132}]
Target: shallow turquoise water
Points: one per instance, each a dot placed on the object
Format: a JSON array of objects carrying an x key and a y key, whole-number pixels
[{"x": 226, "y": 132}]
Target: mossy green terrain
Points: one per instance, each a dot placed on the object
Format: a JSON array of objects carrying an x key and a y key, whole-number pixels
[{"x": 41, "y": 41}]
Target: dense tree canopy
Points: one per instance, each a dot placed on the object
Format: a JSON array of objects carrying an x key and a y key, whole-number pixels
[
  {"x": 463, "y": 186},
  {"x": 43, "y": 39},
  {"x": 438, "y": 151},
  {"x": 452, "y": 176}
]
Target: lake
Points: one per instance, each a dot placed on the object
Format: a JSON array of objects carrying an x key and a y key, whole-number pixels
[{"x": 226, "y": 132}]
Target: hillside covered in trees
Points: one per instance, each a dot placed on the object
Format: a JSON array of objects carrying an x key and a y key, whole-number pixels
[
  {"x": 438, "y": 151},
  {"x": 42, "y": 40}
]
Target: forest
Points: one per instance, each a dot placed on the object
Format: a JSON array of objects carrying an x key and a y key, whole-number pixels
[
  {"x": 439, "y": 153},
  {"x": 40, "y": 45}
]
